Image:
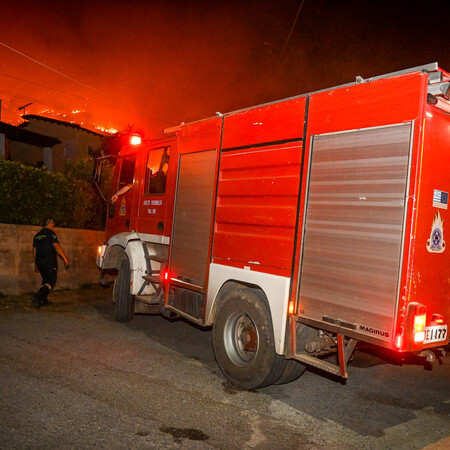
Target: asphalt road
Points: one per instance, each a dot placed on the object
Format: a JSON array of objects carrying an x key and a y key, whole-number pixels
[{"x": 72, "y": 377}]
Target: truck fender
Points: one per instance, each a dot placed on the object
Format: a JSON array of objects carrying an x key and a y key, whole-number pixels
[
  {"x": 275, "y": 288},
  {"x": 130, "y": 245}
]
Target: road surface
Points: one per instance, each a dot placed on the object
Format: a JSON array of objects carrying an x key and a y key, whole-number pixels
[{"x": 72, "y": 377}]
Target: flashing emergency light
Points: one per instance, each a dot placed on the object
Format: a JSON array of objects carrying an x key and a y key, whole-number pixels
[{"x": 135, "y": 139}]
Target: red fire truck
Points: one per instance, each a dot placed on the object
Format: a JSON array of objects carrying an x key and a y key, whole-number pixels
[{"x": 295, "y": 228}]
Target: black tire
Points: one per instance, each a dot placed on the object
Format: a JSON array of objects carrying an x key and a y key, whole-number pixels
[
  {"x": 244, "y": 343},
  {"x": 292, "y": 370},
  {"x": 123, "y": 300}
]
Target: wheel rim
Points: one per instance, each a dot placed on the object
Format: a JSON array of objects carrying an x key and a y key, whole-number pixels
[{"x": 241, "y": 339}]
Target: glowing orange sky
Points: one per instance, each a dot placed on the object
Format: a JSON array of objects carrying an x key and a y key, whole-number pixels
[{"x": 152, "y": 64}]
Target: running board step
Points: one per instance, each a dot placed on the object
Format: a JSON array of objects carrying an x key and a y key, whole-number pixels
[
  {"x": 319, "y": 363},
  {"x": 154, "y": 280},
  {"x": 147, "y": 299},
  {"x": 345, "y": 350},
  {"x": 160, "y": 259}
]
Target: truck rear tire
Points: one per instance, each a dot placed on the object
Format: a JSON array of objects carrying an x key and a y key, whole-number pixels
[
  {"x": 244, "y": 342},
  {"x": 123, "y": 300},
  {"x": 292, "y": 370}
]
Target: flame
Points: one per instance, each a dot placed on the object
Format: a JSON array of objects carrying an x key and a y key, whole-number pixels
[
  {"x": 66, "y": 117},
  {"x": 110, "y": 130}
]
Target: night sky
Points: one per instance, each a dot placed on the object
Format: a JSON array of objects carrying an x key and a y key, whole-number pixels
[{"x": 152, "y": 64}]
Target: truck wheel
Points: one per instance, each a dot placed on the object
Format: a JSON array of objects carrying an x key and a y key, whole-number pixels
[
  {"x": 244, "y": 343},
  {"x": 123, "y": 300},
  {"x": 292, "y": 370}
]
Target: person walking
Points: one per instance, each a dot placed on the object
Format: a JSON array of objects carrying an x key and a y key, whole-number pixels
[{"x": 46, "y": 249}]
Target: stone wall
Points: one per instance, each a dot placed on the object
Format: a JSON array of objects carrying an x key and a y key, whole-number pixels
[{"x": 17, "y": 274}]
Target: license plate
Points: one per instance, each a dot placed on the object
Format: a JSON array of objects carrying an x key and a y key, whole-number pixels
[{"x": 435, "y": 334}]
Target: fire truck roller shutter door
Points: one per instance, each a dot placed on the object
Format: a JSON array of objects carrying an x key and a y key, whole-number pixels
[
  {"x": 123, "y": 300},
  {"x": 243, "y": 340}
]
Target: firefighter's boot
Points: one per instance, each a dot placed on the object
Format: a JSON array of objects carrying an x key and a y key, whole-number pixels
[{"x": 42, "y": 295}]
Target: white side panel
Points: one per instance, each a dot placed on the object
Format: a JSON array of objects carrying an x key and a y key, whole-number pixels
[{"x": 275, "y": 287}]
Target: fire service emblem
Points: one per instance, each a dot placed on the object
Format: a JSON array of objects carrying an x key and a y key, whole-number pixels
[
  {"x": 123, "y": 208},
  {"x": 436, "y": 243}
]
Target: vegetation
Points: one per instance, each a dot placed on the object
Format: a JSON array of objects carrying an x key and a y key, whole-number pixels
[{"x": 28, "y": 195}]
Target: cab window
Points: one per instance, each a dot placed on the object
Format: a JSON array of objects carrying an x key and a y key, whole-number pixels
[
  {"x": 156, "y": 171},
  {"x": 127, "y": 171}
]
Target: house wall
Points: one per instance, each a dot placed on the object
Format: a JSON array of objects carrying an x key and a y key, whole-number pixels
[
  {"x": 17, "y": 274},
  {"x": 26, "y": 153},
  {"x": 70, "y": 137}
]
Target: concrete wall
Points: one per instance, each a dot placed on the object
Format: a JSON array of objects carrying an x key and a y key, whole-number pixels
[{"x": 17, "y": 274}]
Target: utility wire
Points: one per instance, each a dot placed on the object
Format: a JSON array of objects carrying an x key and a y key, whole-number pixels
[
  {"x": 84, "y": 99},
  {"x": 51, "y": 69},
  {"x": 76, "y": 81},
  {"x": 290, "y": 33},
  {"x": 93, "y": 120}
]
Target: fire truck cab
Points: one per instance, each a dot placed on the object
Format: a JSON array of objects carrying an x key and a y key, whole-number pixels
[{"x": 295, "y": 228}]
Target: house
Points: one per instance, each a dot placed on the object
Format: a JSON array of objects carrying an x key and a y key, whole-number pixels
[
  {"x": 17, "y": 144},
  {"x": 74, "y": 141}
]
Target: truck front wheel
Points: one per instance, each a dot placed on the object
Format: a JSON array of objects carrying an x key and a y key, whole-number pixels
[
  {"x": 123, "y": 300},
  {"x": 244, "y": 342}
]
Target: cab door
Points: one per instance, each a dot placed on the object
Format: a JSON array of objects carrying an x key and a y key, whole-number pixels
[
  {"x": 120, "y": 211},
  {"x": 153, "y": 200}
]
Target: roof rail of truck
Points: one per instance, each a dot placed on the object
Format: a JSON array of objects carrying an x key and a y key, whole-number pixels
[{"x": 436, "y": 75}]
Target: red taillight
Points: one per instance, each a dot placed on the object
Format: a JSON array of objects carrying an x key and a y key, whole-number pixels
[
  {"x": 166, "y": 275},
  {"x": 419, "y": 323},
  {"x": 399, "y": 337}
]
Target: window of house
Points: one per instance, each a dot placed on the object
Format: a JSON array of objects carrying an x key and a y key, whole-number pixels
[{"x": 156, "y": 172}]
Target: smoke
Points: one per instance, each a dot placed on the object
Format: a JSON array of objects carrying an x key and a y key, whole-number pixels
[{"x": 156, "y": 63}]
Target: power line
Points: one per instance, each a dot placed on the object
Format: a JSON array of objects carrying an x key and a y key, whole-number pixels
[
  {"x": 80, "y": 83},
  {"x": 53, "y": 70},
  {"x": 290, "y": 32},
  {"x": 93, "y": 120},
  {"x": 42, "y": 85},
  {"x": 84, "y": 99}
]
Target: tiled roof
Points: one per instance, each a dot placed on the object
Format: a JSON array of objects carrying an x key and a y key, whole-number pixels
[
  {"x": 17, "y": 134},
  {"x": 58, "y": 122}
]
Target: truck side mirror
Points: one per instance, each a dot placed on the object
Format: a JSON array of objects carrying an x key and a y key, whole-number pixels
[{"x": 97, "y": 171}]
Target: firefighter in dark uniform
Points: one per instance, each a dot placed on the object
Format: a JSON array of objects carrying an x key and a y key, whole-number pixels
[{"x": 46, "y": 249}]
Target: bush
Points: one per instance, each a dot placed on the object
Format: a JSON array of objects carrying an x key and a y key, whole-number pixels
[{"x": 28, "y": 195}]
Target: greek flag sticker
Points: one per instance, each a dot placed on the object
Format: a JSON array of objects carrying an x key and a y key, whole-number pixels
[{"x": 440, "y": 199}]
